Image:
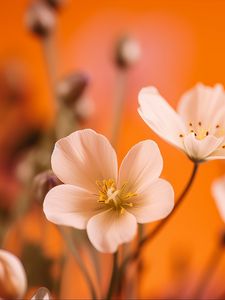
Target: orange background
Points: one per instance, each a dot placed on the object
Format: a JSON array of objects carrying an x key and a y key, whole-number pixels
[{"x": 183, "y": 42}]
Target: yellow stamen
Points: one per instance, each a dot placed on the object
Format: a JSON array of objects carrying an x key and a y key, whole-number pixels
[{"x": 114, "y": 198}]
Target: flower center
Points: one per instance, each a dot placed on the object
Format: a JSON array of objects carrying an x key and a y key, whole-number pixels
[
  {"x": 118, "y": 199},
  {"x": 200, "y": 132}
]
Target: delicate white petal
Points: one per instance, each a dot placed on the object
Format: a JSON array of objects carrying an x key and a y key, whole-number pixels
[
  {"x": 42, "y": 294},
  {"x": 70, "y": 205},
  {"x": 200, "y": 149},
  {"x": 218, "y": 191},
  {"x": 12, "y": 276},
  {"x": 218, "y": 154},
  {"x": 160, "y": 116},
  {"x": 109, "y": 229},
  {"x": 141, "y": 166},
  {"x": 84, "y": 157},
  {"x": 155, "y": 203},
  {"x": 201, "y": 104}
]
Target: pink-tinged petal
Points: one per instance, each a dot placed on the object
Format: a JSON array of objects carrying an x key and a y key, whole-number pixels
[
  {"x": 160, "y": 116},
  {"x": 84, "y": 157},
  {"x": 141, "y": 166},
  {"x": 155, "y": 203},
  {"x": 218, "y": 191},
  {"x": 13, "y": 281},
  {"x": 218, "y": 154},
  {"x": 109, "y": 229},
  {"x": 199, "y": 150},
  {"x": 201, "y": 104},
  {"x": 70, "y": 205}
]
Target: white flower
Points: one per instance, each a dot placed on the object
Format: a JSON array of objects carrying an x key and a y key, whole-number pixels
[
  {"x": 198, "y": 128},
  {"x": 13, "y": 282},
  {"x": 102, "y": 200}
]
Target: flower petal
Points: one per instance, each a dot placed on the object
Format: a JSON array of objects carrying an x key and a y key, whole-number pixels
[
  {"x": 141, "y": 166},
  {"x": 201, "y": 104},
  {"x": 155, "y": 203},
  {"x": 84, "y": 157},
  {"x": 109, "y": 229},
  {"x": 199, "y": 150},
  {"x": 70, "y": 205},
  {"x": 160, "y": 116},
  {"x": 218, "y": 191},
  {"x": 13, "y": 281}
]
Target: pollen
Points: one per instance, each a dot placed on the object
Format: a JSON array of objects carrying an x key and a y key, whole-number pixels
[{"x": 118, "y": 199}]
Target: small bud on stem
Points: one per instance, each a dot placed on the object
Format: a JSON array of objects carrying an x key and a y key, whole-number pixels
[
  {"x": 71, "y": 88},
  {"x": 128, "y": 52},
  {"x": 40, "y": 19}
]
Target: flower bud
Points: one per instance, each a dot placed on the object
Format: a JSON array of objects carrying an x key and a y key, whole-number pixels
[
  {"x": 84, "y": 109},
  {"x": 56, "y": 4},
  {"x": 13, "y": 282},
  {"x": 42, "y": 294},
  {"x": 71, "y": 88},
  {"x": 43, "y": 183},
  {"x": 128, "y": 52},
  {"x": 40, "y": 19}
]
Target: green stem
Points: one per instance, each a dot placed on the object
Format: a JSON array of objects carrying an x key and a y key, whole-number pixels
[
  {"x": 149, "y": 237},
  {"x": 113, "y": 281},
  {"x": 76, "y": 254}
]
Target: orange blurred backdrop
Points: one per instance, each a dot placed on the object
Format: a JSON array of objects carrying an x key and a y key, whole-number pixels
[{"x": 182, "y": 42}]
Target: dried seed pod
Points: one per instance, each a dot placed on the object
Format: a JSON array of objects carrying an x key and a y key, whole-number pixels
[
  {"x": 40, "y": 19},
  {"x": 128, "y": 52},
  {"x": 71, "y": 88}
]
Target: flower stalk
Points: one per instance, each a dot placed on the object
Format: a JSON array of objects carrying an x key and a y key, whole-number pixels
[
  {"x": 136, "y": 254},
  {"x": 114, "y": 277}
]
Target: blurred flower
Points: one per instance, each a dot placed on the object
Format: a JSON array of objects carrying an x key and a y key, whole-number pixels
[
  {"x": 218, "y": 191},
  {"x": 42, "y": 294},
  {"x": 13, "y": 282},
  {"x": 72, "y": 87},
  {"x": 43, "y": 182},
  {"x": 199, "y": 126},
  {"x": 95, "y": 197},
  {"x": 128, "y": 52},
  {"x": 40, "y": 19}
]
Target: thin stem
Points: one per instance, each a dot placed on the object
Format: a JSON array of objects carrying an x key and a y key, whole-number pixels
[
  {"x": 211, "y": 267},
  {"x": 48, "y": 46},
  {"x": 113, "y": 280},
  {"x": 76, "y": 254},
  {"x": 133, "y": 256},
  {"x": 119, "y": 105}
]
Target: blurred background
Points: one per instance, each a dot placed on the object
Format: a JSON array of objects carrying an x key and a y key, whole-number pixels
[{"x": 180, "y": 43}]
